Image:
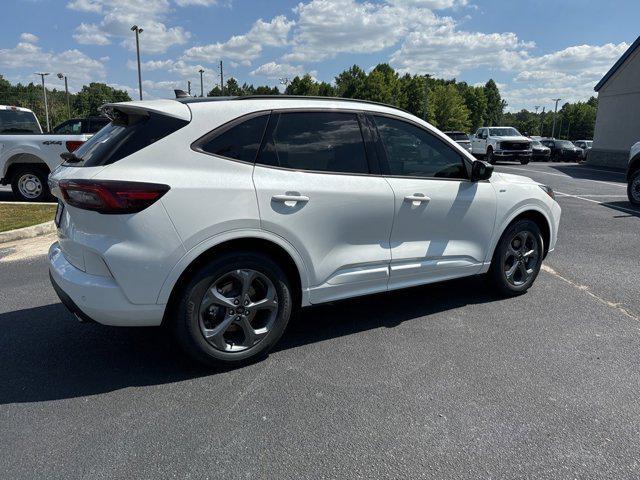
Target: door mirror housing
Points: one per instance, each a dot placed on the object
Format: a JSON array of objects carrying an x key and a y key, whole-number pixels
[{"x": 481, "y": 170}]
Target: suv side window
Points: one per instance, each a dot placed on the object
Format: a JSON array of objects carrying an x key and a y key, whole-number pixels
[
  {"x": 414, "y": 152},
  {"x": 239, "y": 142},
  {"x": 316, "y": 141}
]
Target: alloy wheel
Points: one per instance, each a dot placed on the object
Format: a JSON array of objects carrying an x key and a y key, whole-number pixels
[
  {"x": 635, "y": 188},
  {"x": 521, "y": 258},
  {"x": 238, "y": 310}
]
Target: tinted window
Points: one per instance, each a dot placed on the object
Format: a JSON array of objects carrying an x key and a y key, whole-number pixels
[
  {"x": 15, "y": 121},
  {"x": 70, "y": 127},
  {"x": 458, "y": 135},
  {"x": 504, "y": 132},
  {"x": 240, "y": 142},
  {"x": 125, "y": 136},
  {"x": 321, "y": 141},
  {"x": 412, "y": 151}
]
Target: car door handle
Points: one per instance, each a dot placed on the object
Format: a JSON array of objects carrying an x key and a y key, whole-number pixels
[
  {"x": 418, "y": 197},
  {"x": 290, "y": 198}
]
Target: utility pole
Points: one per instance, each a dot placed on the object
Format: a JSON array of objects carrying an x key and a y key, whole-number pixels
[
  {"x": 555, "y": 112},
  {"x": 66, "y": 89},
  {"x": 542, "y": 122},
  {"x": 138, "y": 31},
  {"x": 44, "y": 92},
  {"x": 189, "y": 87},
  {"x": 201, "y": 71},
  {"x": 221, "y": 80}
]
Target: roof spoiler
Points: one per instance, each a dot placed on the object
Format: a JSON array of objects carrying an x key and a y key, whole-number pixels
[
  {"x": 181, "y": 93},
  {"x": 169, "y": 108}
]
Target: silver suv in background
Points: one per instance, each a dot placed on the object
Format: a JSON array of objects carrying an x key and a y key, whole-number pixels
[{"x": 460, "y": 138}]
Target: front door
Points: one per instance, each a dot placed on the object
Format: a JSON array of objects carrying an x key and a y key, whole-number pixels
[
  {"x": 443, "y": 222},
  {"x": 314, "y": 190}
]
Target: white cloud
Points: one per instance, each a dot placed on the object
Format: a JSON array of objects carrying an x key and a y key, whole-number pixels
[
  {"x": 273, "y": 70},
  {"x": 29, "y": 37},
  {"x": 247, "y": 47},
  {"x": 79, "y": 67},
  {"x": 120, "y": 15},
  {"x": 200, "y": 3},
  {"x": 90, "y": 34}
]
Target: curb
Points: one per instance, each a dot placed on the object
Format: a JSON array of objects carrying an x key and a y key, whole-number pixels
[{"x": 27, "y": 232}]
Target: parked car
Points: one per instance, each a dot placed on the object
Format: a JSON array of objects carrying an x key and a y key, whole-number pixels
[
  {"x": 277, "y": 203},
  {"x": 506, "y": 143},
  {"x": 539, "y": 153},
  {"x": 88, "y": 125},
  {"x": 460, "y": 138},
  {"x": 562, "y": 150},
  {"x": 633, "y": 175},
  {"x": 27, "y": 155},
  {"x": 585, "y": 146}
]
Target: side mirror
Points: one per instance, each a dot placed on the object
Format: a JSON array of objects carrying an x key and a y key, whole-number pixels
[{"x": 480, "y": 170}]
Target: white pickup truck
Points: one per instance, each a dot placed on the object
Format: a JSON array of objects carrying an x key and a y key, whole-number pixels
[
  {"x": 27, "y": 155},
  {"x": 507, "y": 143}
]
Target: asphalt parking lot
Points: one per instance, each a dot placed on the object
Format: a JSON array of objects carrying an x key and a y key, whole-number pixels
[{"x": 443, "y": 381}]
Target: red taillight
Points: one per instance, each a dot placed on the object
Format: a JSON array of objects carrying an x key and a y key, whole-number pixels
[
  {"x": 73, "y": 145},
  {"x": 111, "y": 196}
]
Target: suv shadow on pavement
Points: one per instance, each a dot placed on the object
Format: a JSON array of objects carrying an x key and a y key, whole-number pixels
[
  {"x": 45, "y": 355},
  {"x": 585, "y": 172}
]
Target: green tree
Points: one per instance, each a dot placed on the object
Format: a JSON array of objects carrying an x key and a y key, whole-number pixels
[
  {"x": 449, "y": 109},
  {"x": 326, "y": 90},
  {"x": 89, "y": 100},
  {"x": 413, "y": 95},
  {"x": 375, "y": 88},
  {"x": 232, "y": 89},
  {"x": 495, "y": 104},
  {"x": 266, "y": 90},
  {"x": 476, "y": 102},
  {"x": 303, "y": 86},
  {"x": 350, "y": 81}
]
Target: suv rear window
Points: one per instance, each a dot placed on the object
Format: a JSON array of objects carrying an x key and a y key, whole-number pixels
[
  {"x": 316, "y": 141},
  {"x": 125, "y": 136}
]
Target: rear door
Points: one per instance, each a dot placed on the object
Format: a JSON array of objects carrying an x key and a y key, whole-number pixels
[
  {"x": 478, "y": 143},
  {"x": 314, "y": 188},
  {"x": 443, "y": 221}
]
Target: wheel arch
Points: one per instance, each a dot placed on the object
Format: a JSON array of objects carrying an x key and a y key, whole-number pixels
[
  {"x": 527, "y": 213},
  {"x": 18, "y": 160},
  {"x": 257, "y": 241},
  {"x": 634, "y": 166}
]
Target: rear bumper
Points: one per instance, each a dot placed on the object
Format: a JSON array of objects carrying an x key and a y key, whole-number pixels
[{"x": 97, "y": 298}]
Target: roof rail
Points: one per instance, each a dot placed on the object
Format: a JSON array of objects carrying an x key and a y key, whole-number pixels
[{"x": 287, "y": 97}]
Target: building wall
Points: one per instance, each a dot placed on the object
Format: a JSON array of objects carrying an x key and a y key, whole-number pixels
[{"x": 618, "y": 118}]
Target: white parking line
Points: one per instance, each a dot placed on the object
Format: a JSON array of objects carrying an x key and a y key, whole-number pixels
[
  {"x": 562, "y": 194},
  {"x": 521, "y": 169}
]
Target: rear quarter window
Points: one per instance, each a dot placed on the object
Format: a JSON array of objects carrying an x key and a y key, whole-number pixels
[{"x": 238, "y": 141}]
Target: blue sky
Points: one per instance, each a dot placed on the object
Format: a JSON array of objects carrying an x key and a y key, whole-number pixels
[{"x": 535, "y": 49}]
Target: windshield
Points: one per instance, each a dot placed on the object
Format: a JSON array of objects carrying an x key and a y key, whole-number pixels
[
  {"x": 589, "y": 143},
  {"x": 504, "y": 132},
  {"x": 458, "y": 135},
  {"x": 565, "y": 144},
  {"x": 15, "y": 121},
  {"x": 536, "y": 143}
]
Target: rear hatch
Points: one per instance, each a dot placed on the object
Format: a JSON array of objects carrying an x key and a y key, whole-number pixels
[{"x": 93, "y": 214}]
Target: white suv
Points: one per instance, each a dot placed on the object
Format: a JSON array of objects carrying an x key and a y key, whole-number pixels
[{"x": 221, "y": 217}]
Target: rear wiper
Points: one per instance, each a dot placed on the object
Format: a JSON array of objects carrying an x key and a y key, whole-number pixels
[{"x": 70, "y": 157}]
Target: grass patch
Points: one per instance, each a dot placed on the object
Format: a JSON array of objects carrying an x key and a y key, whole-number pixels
[{"x": 24, "y": 215}]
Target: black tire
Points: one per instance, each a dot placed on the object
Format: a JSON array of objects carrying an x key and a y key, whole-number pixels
[
  {"x": 187, "y": 321},
  {"x": 29, "y": 184},
  {"x": 524, "y": 161},
  {"x": 489, "y": 157},
  {"x": 633, "y": 188},
  {"x": 497, "y": 272}
]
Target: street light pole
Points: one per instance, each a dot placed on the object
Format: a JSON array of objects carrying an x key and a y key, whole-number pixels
[
  {"x": 189, "y": 87},
  {"x": 66, "y": 89},
  {"x": 138, "y": 31},
  {"x": 553, "y": 129},
  {"x": 201, "y": 71},
  {"x": 44, "y": 91}
]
